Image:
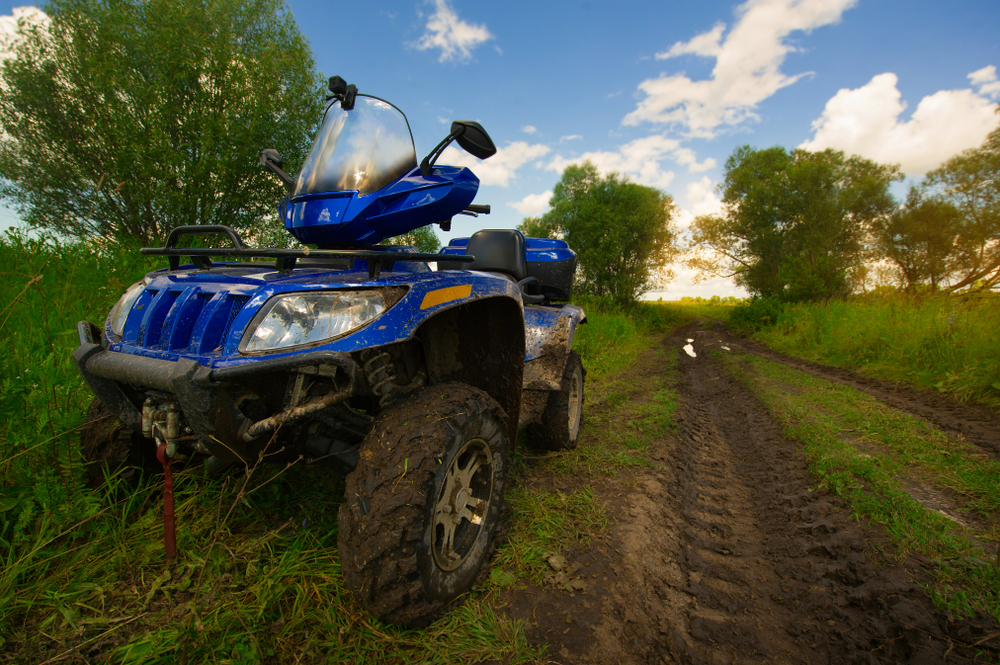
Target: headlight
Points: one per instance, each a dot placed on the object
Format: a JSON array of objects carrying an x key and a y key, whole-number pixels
[
  {"x": 120, "y": 311},
  {"x": 309, "y": 318}
]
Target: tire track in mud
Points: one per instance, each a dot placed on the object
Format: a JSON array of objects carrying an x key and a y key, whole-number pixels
[
  {"x": 727, "y": 552},
  {"x": 974, "y": 423},
  {"x": 807, "y": 590}
]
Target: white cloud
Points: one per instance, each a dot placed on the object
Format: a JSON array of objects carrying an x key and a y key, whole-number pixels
[
  {"x": 706, "y": 44},
  {"x": 701, "y": 200},
  {"x": 866, "y": 122},
  {"x": 986, "y": 80},
  {"x": 686, "y": 157},
  {"x": 529, "y": 129},
  {"x": 639, "y": 159},
  {"x": 452, "y": 35},
  {"x": 501, "y": 167},
  {"x": 570, "y": 137},
  {"x": 747, "y": 68},
  {"x": 684, "y": 285},
  {"x": 9, "y": 23},
  {"x": 532, "y": 204}
]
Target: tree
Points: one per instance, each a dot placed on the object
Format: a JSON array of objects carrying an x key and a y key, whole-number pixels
[
  {"x": 134, "y": 116},
  {"x": 622, "y": 232},
  {"x": 794, "y": 223},
  {"x": 535, "y": 227},
  {"x": 423, "y": 239},
  {"x": 971, "y": 182},
  {"x": 918, "y": 238}
]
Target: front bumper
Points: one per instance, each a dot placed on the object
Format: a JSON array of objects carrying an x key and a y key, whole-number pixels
[{"x": 202, "y": 393}]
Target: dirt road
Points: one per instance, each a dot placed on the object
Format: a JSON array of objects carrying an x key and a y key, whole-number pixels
[{"x": 725, "y": 550}]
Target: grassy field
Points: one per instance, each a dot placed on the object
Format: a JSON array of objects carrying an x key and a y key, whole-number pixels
[
  {"x": 257, "y": 575},
  {"x": 945, "y": 343},
  {"x": 933, "y": 495}
]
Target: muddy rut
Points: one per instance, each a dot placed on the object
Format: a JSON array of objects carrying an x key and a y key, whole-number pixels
[{"x": 727, "y": 552}]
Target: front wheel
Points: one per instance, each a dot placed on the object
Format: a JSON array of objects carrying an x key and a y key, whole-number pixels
[
  {"x": 110, "y": 448},
  {"x": 423, "y": 505},
  {"x": 559, "y": 426}
]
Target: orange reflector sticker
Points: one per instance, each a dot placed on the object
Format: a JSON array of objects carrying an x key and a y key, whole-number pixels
[{"x": 439, "y": 296}]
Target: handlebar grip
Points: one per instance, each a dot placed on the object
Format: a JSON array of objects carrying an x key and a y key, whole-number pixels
[{"x": 478, "y": 209}]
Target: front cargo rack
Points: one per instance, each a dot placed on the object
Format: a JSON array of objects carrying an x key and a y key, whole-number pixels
[{"x": 285, "y": 258}]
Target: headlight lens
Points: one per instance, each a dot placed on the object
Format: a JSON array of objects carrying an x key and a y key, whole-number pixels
[
  {"x": 308, "y": 318},
  {"x": 124, "y": 305}
]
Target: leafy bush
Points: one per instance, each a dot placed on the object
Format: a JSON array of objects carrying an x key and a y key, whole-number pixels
[{"x": 757, "y": 314}]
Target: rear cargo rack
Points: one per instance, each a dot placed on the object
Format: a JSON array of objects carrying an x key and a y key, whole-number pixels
[{"x": 285, "y": 259}]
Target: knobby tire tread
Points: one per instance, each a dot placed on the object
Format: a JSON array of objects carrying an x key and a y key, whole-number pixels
[{"x": 382, "y": 520}]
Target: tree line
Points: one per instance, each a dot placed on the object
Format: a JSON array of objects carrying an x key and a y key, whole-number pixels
[
  {"x": 805, "y": 225},
  {"x": 795, "y": 225},
  {"x": 131, "y": 117}
]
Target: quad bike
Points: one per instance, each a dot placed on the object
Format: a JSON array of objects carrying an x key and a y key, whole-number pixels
[{"x": 410, "y": 381}]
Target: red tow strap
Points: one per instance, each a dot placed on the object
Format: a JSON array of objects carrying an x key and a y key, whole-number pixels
[{"x": 169, "y": 539}]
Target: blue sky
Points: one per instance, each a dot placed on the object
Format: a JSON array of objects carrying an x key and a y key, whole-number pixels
[{"x": 664, "y": 91}]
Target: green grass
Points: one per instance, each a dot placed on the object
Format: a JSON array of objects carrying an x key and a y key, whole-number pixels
[
  {"x": 612, "y": 339},
  {"x": 545, "y": 523},
  {"x": 714, "y": 308},
  {"x": 945, "y": 343},
  {"x": 872, "y": 455}
]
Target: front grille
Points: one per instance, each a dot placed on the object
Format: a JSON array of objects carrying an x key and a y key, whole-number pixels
[
  {"x": 187, "y": 320},
  {"x": 237, "y": 307}
]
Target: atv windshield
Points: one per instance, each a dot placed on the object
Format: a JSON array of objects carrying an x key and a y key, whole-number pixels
[{"x": 363, "y": 149}]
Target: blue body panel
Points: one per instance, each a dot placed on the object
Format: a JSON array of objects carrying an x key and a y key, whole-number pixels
[
  {"x": 345, "y": 218},
  {"x": 540, "y": 322},
  {"x": 202, "y": 315}
]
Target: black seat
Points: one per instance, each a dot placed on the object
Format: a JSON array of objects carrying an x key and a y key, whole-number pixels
[{"x": 498, "y": 250}]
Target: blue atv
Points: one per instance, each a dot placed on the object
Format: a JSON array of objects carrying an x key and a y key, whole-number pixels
[{"x": 411, "y": 382}]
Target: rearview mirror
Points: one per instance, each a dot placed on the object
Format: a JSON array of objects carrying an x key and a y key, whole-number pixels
[
  {"x": 272, "y": 161},
  {"x": 473, "y": 138},
  {"x": 470, "y": 136}
]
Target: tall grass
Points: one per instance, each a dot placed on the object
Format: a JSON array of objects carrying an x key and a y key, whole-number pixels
[
  {"x": 945, "y": 343},
  {"x": 614, "y": 337}
]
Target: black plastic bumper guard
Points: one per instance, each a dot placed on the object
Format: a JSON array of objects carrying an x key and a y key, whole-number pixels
[{"x": 201, "y": 391}]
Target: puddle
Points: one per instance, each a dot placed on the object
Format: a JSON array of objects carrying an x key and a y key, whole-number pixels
[{"x": 690, "y": 350}]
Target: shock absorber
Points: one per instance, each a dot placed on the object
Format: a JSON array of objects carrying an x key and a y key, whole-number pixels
[{"x": 380, "y": 372}]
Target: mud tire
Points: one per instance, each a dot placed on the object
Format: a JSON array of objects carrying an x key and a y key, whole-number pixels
[
  {"x": 559, "y": 426},
  {"x": 389, "y": 538},
  {"x": 109, "y": 447}
]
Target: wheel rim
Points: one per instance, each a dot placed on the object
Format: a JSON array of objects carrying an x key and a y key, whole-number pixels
[
  {"x": 462, "y": 504},
  {"x": 575, "y": 404}
]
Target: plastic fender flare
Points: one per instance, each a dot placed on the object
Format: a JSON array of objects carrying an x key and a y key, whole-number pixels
[
  {"x": 479, "y": 343},
  {"x": 552, "y": 346}
]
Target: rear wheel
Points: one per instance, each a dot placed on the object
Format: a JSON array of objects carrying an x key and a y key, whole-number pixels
[
  {"x": 423, "y": 505},
  {"x": 559, "y": 426}
]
